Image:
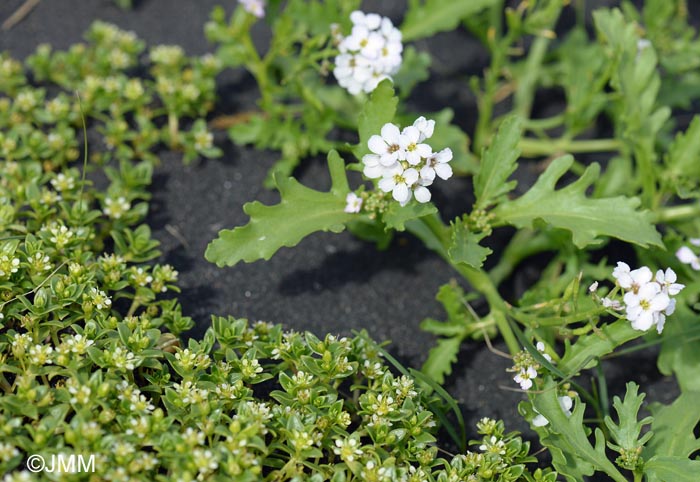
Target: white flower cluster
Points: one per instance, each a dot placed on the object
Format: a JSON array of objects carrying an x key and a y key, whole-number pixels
[
  {"x": 405, "y": 164},
  {"x": 687, "y": 256},
  {"x": 370, "y": 54},
  {"x": 647, "y": 297},
  {"x": 526, "y": 367}
]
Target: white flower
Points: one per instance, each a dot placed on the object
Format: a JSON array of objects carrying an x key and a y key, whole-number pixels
[
  {"x": 413, "y": 150},
  {"x": 347, "y": 449},
  {"x": 612, "y": 304},
  {"x": 565, "y": 402},
  {"x": 524, "y": 377},
  {"x": 631, "y": 280},
  {"x": 371, "y": 53},
  {"x": 353, "y": 203},
  {"x": 437, "y": 164},
  {"x": 116, "y": 208},
  {"x": 388, "y": 145},
  {"x": 371, "y": 21},
  {"x": 541, "y": 348},
  {"x": 363, "y": 40},
  {"x": 254, "y": 7},
  {"x": 661, "y": 316},
  {"x": 644, "y": 305},
  {"x": 398, "y": 182},
  {"x": 352, "y": 72},
  {"x": 425, "y": 127},
  {"x": 493, "y": 445},
  {"x": 667, "y": 280},
  {"x": 593, "y": 288},
  {"x": 686, "y": 256}
]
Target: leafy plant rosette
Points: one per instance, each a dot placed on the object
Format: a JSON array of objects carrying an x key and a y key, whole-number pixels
[
  {"x": 646, "y": 197},
  {"x": 90, "y": 359}
]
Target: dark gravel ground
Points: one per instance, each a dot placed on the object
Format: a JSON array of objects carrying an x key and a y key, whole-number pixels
[{"x": 329, "y": 283}]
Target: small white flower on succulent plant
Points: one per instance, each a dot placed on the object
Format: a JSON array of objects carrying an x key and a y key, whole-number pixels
[
  {"x": 593, "y": 288},
  {"x": 353, "y": 203},
  {"x": 686, "y": 256}
]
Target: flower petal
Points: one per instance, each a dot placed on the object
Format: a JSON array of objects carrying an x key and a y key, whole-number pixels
[
  {"x": 444, "y": 171},
  {"x": 422, "y": 194},
  {"x": 391, "y": 133}
]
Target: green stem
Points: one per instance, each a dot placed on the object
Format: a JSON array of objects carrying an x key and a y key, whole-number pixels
[
  {"x": 525, "y": 92},
  {"x": 645, "y": 164},
  {"x": 477, "y": 278},
  {"x": 173, "y": 130},
  {"x": 485, "y": 102},
  {"x": 536, "y": 147},
  {"x": 677, "y": 213},
  {"x": 241, "y": 23},
  {"x": 546, "y": 123}
]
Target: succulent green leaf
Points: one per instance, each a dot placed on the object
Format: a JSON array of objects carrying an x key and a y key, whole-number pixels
[
  {"x": 569, "y": 208},
  {"x": 377, "y": 111},
  {"x": 497, "y": 164},
  {"x": 427, "y": 17},
  {"x": 301, "y": 211}
]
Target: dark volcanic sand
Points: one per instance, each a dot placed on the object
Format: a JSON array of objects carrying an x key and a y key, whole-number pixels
[{"x": 329, "y": 283}]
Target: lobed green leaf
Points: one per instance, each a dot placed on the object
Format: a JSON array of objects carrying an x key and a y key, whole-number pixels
[
  {"x": 465, "y": 247},
  {"x": 569, "y": 208},
  {"x": 301, "y": 211},
  {"x": 498, "y": 162},
  {"x": 440, "y": 359},
  {"x": 427, "y": 17},
  {"x": 571, "y": 439}
]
